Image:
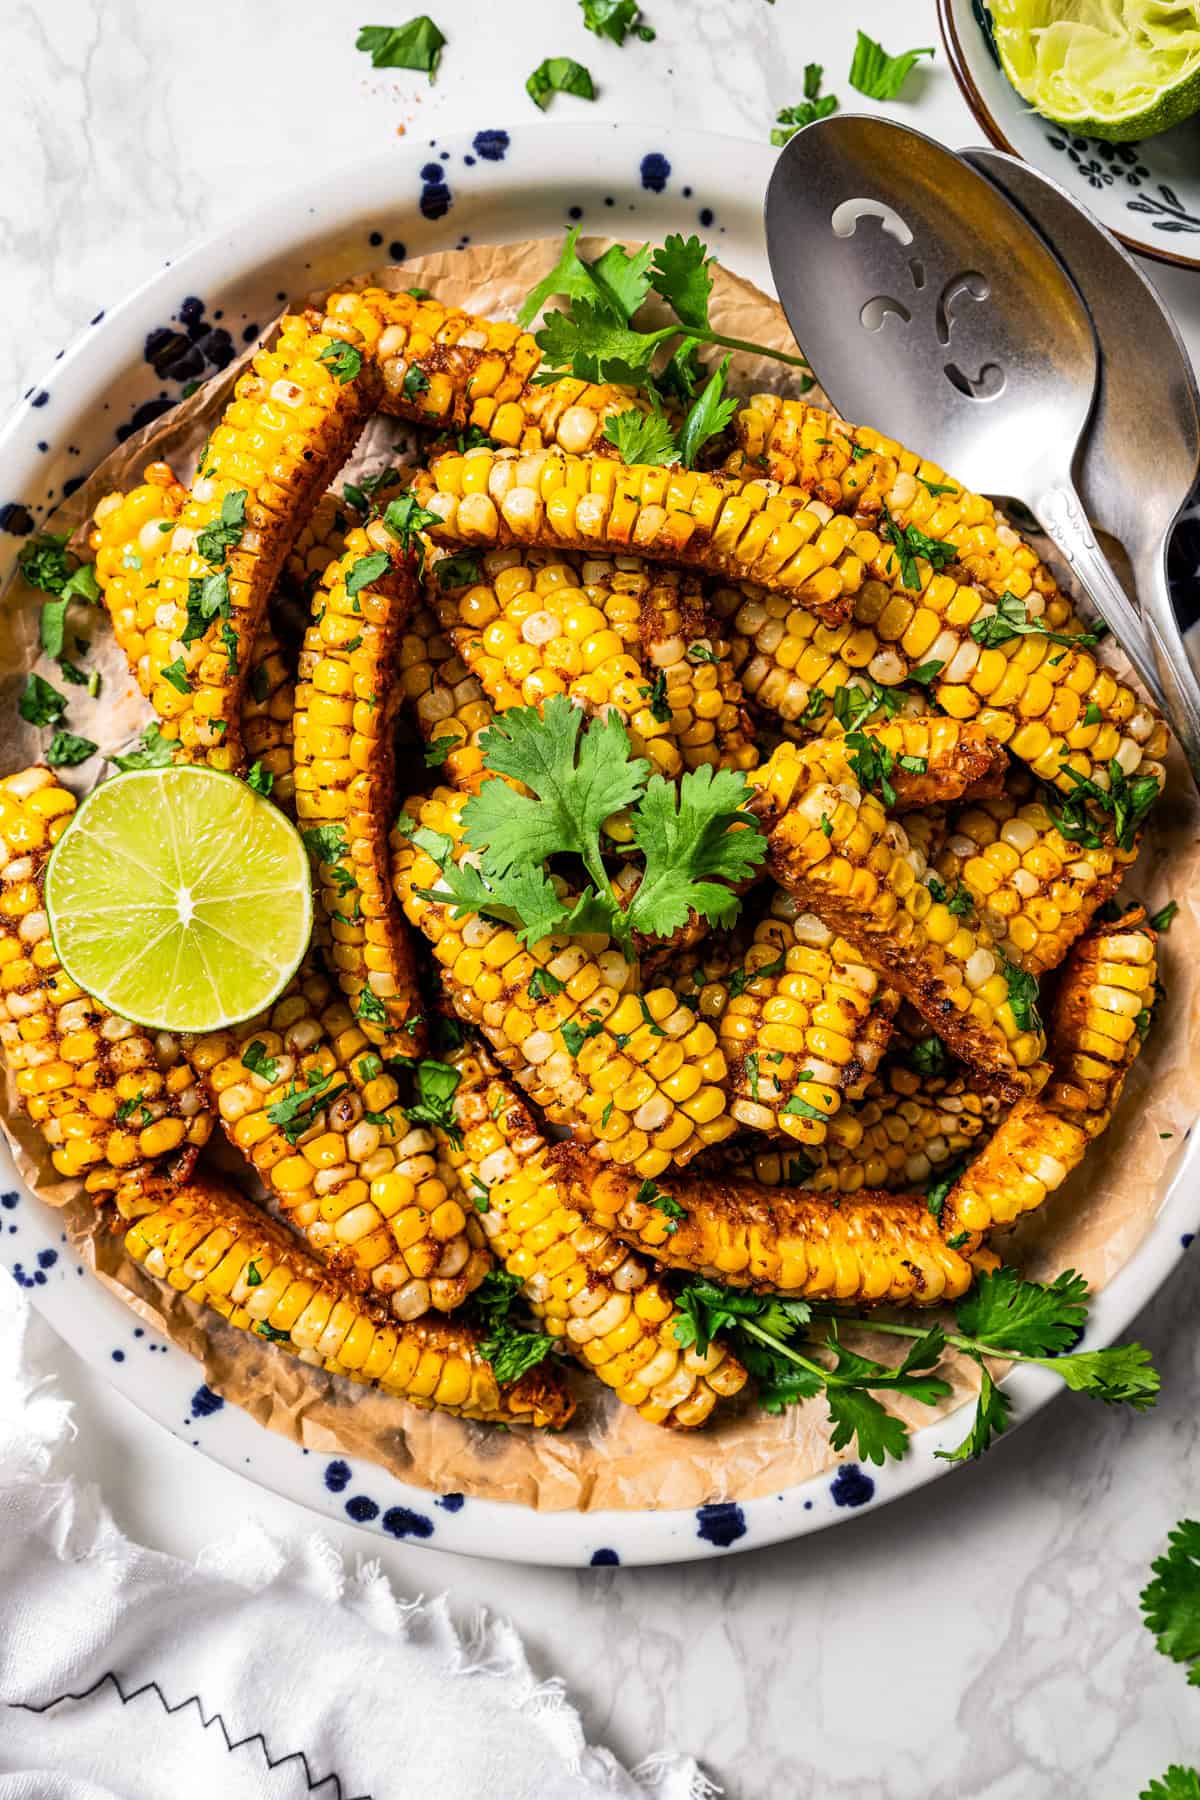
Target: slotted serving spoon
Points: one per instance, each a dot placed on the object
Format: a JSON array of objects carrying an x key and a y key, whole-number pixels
[
  {"x": 1140, "y": 459},
  {"x": 927, "y": 304}
]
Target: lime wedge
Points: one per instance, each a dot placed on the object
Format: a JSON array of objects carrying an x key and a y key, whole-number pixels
[
  {"x": 1115, "y": 69},
  {"x": 179, "y": 898}
]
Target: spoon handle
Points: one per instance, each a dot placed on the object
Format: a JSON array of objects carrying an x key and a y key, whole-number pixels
[
  {"x": 1179, "y": 677},
  {"x": 1060, "y": 513}
]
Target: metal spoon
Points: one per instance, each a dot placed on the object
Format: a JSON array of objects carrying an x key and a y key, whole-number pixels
[
  {"x": 1140, "y": 459},
  {"x": 927, "y": 304}
]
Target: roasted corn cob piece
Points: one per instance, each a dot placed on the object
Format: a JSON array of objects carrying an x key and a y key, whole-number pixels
[
  {"x": 1101, "y": 1009},
  {"x": 870, "y": 1249},
  {"x": 1034, "y": 888},
  {"x": 105, "y": 1095},
  {"x": 635, "y": 1073},
  {"x": 928, "y": 760},
  {"x": 293, "y": 418},
  {"x": 792, "y": 1021},
  {"x": 321, "y": 541},
  {"x": 207, "y": 1242},
  {"x": 267, "y": 707},
  {"x": 582, "y": 1283},
  {"x": 442, "y": 366},
  {"x": 304, "y": 1096},
  {"x": 834, "y": 849},
  {"x": 752, "y": 531},
  {"x": 451, "y": 708},
  {"x": 345, "y": 711},
  {"x": 614, "y": 636}
]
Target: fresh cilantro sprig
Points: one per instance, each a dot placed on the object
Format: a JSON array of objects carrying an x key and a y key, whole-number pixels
[
  {"x": 648, "y": 438},
  {"x": 1177, "y": 1784},
  {"x": 1171, "y": 1601},
  {"x": 815, "y": 105},
  {"x": 696, "y": 839},
  {"x": 1127, "y": 799},
  {"x": 784, "y": 1344},
  {"x": 596, "y": 338},
  {"x": 1011, "y": 619}
]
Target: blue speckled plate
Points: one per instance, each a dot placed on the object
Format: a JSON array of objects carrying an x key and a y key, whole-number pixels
[{"x": 138, "y": 360}]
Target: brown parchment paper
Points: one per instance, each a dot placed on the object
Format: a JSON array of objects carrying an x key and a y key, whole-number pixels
[{"x": 608, "y": 1457}]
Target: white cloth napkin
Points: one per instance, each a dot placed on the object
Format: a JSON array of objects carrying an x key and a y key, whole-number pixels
[{"x": 264, "y": 1671}]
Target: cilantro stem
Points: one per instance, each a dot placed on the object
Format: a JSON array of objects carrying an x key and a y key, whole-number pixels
[
  {"x": 706, "y": 336},
  {"x": 784, "y": 1349},
  {"x": 972, "y": 1346}
]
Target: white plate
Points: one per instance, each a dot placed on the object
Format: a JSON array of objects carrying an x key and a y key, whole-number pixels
[
  {"x": 528, "y": 182},
  {"x": 1148, "y": 193}
]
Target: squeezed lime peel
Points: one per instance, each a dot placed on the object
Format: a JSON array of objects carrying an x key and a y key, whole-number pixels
[{"x": 1116, "y": 75}]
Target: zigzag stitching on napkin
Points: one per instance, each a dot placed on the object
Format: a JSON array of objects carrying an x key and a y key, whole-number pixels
[{"x": 231, "y": 1744}]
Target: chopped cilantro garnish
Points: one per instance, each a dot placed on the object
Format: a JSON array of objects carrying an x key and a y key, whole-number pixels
[
  {"x": 878, "y": 75},
  {"x": 1161, "y": 920},
  {"x": 463, "y": 569},
  {"x": 65, "y": 750},
  {"x": 40, "y": 704},
  {"x": 342, "y": 360},
  {"x": 910, "y": 542},
  {"x": 295, "y": 1113},
  {"x": 176, "y": 674},
  {"x": 1011, "y": 620},
  {"x": 416, "y": 382},
  {"x": 418, "y": 44},
  {"x": 615, "y": 19},
  {"x": 559, "y": 75},
  {"x": 255, "y": 1058},
  {"x": 649, "y": 1195},
  {"x": 366, "y": 570},
  {"x": 154, "y": 751},
  {"x": 815, "y": 105},
  {"x": 543, "y": 985},
  {"x": 216, "y": 540}
]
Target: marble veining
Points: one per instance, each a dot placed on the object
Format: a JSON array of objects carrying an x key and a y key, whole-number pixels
[{"x": 979, "y": 1638}]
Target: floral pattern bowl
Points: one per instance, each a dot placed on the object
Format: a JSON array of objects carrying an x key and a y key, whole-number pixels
[{"x": 1148, "y": 194}]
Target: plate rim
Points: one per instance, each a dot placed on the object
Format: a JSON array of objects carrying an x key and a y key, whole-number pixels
[
  {"x": 960, "y": 67},
  {"x": 500, "y": 1529}
]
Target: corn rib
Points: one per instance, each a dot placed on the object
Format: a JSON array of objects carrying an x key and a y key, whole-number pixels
[
  {"x": 305, "y": 1097},
  {"x": 346, "y": 702},
  {"x": 743, "y": 530},
  {"x": 1103, "y": 1005},
  {"x": 585, "y": 1286},
  {"x": 866, "y": 1249},
  {"x": 834, "y": 849},
  {"x": 209, "y": 1244}
]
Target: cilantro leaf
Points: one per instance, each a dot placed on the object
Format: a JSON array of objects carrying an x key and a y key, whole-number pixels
[
  {"x": 43, "y": 562},
  {"x": 342, "y": 360},
  {"x": 437, "y": 1084},
  {"x": 616, "y": 283},
  {"x": 577, "y": 780},
  {"x": 40, "y": 704},
  {"x": 992, "y": 1410},
  {"x": 327, "y": 843},
  {"x": 589, "y": 343},
  {"x": 644, "y": 438},
  {"x": 366, "y": 570},
  {"x": 415, "y": 45},
  {"x": 1177, "y": 1784},
  {"x": 707, "y": 417},
  {"x": 154, "y": 751},
  {"x": 853, "y": 1413},
  {"x": 570, "y": 276},
  {"x": 814, "y": 105},
  {"x": 296, "y": 1112},
  {"x": 876, "y": 74},
  {"x": 1127, "y": 800},
  {"x": 1122, "y": 1375},
  {"x": 463, "y": 569},
  {"x": 525, "y": 898},
  {"x": 1161, "y": 920},
  {"x": 559, "y": 75},
  {"x": 404, "y": 518},
  {"x": 624, "y": 280},
  {"x": 1002, "y": 1313},
  {"x": 437, "y": 751},
  {"x": 1171, "y": 1602},
  {"x": 65, "y": 750},
  {"x": 512, "y": 1353},
  {"x": 416, "y": 382},
  {"x": 910, "y": 542},
  {"x": 260, "y": 779},
  {"x": 684, "y": 835},
  {"x": 615, "y": 19},
  {"x": 176, "y": 673},
  {"x": 679, "y": 273},
  {"x": 1022, "y": 995},
  {"x": 52, "y": 626},
  {"x": 255, "y": 1058},
  {"x": 1011, "y": 619},
  {"x": 220, "y": 536}
]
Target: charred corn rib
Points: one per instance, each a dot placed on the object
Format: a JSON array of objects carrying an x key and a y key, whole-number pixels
[
  {"x": 582, "y": 1283},
  {"x": 451, "y": 708},
  {"x": 1034, "y": 889},
  {"x": 1048, "y": 703},
  {"x": 442, "y": 366},
  {"x": 317, "y": 1114},
  {"x": 291, "y": 422},
  {"x": 320, "y": 542},
  {"x": 834, "y": 849},
  {"x": 209, "y": 1244},
  {"x": 104, "y": 1095},
  {"x": 752, "y": 530},
  {"x": 346, "y": 702},
  {"x": 792, "y": 1021},
  {"x": 614, "y": 636},
  {"x": 267, "y": 708},
  {"x": 931, "y": 760},
  {"x": 870, "y": 1249},
  {"x": 636, "y": 1074},
  {"x": 1103, "y": 1002}
]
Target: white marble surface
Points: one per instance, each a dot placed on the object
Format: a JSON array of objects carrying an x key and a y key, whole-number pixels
[{"x": 981, "y": 1638}]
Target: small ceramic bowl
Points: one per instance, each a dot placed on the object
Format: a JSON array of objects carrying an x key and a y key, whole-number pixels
[{"x": 1148, "y": 194}]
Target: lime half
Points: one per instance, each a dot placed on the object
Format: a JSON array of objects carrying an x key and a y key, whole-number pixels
[
  {"x": 179, "y": 898},
  {"x": 1115, "y": 69}
]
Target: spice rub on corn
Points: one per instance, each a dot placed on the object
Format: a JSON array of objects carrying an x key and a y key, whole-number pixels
[{"x": 106, "y": 1095}]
